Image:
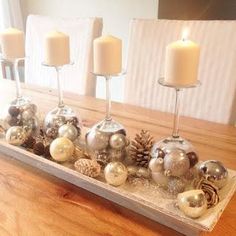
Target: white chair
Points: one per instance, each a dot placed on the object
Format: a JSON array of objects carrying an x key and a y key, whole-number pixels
[
  {"x": 215, "y": 99},
  {"x": 82, "y": 32}
]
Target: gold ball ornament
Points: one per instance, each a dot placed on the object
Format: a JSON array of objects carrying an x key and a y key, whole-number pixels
[
  {"x": 115, "y": 173},
  {"x": 62, "y": 149},
  {"x": 68, "y": 131},
  {"x": 118, "y": 141},
  {"x": 192, "y": 203},
  {"x": 16, "y": 135}
]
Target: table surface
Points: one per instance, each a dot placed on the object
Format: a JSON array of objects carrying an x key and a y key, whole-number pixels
[{"x": 35, "y": 203}]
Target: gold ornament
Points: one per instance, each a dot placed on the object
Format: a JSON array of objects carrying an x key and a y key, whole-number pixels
[
  {"x": 16, "y": 135},
  {"x": 61, "y": 149},
  {"x": 88, "y": 167},
  {"x": 192, "y": 203},
  {"x": 210, "y": 190},
  {"x": 140, "y": 150}
]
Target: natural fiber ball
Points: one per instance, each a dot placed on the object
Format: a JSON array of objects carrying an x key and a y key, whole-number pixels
[
  {"x": 38, "y": 148},
  {"x": 61, "y": 149}
]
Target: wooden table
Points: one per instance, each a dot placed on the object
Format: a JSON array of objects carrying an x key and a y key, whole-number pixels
[{"x": 35, "y": 203}]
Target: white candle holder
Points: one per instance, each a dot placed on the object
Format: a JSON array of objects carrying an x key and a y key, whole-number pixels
[
  {"x": 21, "y": 111},
  {"x": 175, "y": 141},
  {"x": 106, "y": 140},
  {"x": 62, "y": 114}
]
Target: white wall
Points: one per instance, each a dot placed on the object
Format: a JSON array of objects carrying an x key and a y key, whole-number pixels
[{"x": 116, "y": 16}]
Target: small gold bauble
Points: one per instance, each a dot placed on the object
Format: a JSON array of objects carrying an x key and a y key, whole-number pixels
[
  {"x": 68, "y": 131},
  {"x": 61, "y": 149},
  {"x": 16, "y": 135},
  {"x": 192, "y": 203},
  {"x": 115, "y": 173},
  {"x": 118, "y": 141}
]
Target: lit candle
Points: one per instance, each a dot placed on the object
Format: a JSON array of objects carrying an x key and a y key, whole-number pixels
[
  {"x": 181, "y": 63},
  {"x": 107, "y": 55},
  {"x": 12, "y": 43},
  {"x": 57, "y": 49}
]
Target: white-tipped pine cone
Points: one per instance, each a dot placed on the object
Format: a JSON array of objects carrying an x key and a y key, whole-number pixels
[{"x": 88, "y": 167}]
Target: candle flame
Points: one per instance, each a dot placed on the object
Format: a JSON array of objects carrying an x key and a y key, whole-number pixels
[{"x": 185, "y": 34}]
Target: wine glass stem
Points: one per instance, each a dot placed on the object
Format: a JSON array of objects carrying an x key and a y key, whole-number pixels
[
  {"x": 108, "y": 98},
  {"x": 17, "y": 79},
  {"x": 175, "y": 133},
  {"x": 60, "y": 93}
]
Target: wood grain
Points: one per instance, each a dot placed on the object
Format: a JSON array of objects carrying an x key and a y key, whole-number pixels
[{"x": 35, "y": 203}]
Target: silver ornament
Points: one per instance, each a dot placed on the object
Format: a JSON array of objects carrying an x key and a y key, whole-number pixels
[
  {"x": 115, "y": 173},
  {"x": 192, "y": 203},
  {"x": 30, "y": 125},
  {"x": 61, "y": 149},
  {"x": 69, "y": 131},
  {"x": 176, "y": 162},
  {"x": 97, "y": 140},
  {"x": 118, "y": 141},
  {"x": 160, "y": 179},
  {"x": 176, "y": 185},
  {"x": 16, "y": 135},
  {"x": 51, "y": 133},
  {"x": 27, "y": 115},
  {"x": 215, "y": 172},
  {"x": 156, "y": 164}
]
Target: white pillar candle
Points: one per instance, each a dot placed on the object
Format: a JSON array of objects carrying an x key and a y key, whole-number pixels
[
  {"x": 181, "y": 63},
  {"x": 12, "y": 43},
  {"x": 57, "y": 49},
  {"x": 107, "y": 55}
]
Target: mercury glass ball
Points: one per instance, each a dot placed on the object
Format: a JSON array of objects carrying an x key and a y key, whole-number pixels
[
  {"x": 16, "y": 135},
  {"x": 68, "y": 131},
  {"x": 192, "y": 203},
  {"x": 176, "y": 162},
  {"x": 117, "y": 141},
  {"x": 115, "y": 173},
  {"x": 215, "y": 172},
  {"x": 62, "y": 149}
]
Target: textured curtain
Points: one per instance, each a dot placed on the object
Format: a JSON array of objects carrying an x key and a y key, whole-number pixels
[{"x": 10, "y": 14}]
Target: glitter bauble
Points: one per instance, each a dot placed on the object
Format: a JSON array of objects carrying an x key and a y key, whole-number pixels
[
  {"x": 176, "y": 185},
  {"x": 192, "y": 203},
  {"x": 156, "y": 164},
  {"x": 176, "y": 162},
  {"x": 115, "y": 173},
  {"x": 61, "y": 149},
  {"x": 215, "y": 172},
  {"x": 117, "y": 141},
  {"x": 68, "y": 131},
  {"x": 193, "y": 158},
  {"x": 16, "y": 135},
  {"x": 97, "y": 140}
]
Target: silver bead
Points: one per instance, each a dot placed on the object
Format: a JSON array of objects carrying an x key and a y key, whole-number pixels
[
  {"x": 215, "y": 172},
  {"x": 156, "y": 164},
  {"x": 176, "y": 162},
  {"x": 16, "y": 135},
  {"x": 115, "y": 173},
  {"x": 61, "y": 149},
  {"x": 192, "y": 203},
  {"x": 69, "y": 131},
  {"x": 97, "y": 140},
  {"x": 118, "y": 141}
]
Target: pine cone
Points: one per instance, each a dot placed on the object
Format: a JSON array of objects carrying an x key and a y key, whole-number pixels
[
  {"x": 141, "y": 147},
  {"x": 88, "y": 167},
  {"x": 210, "y": 190}
]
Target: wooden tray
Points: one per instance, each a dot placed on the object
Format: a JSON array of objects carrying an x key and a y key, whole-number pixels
[{"x": 152, "y": 204}]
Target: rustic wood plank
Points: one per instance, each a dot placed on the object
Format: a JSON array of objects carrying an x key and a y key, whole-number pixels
[{"x": 30, "y": 195}]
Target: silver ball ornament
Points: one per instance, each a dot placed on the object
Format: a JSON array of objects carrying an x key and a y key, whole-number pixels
[
  {"x": 16, "y": 135},
  {"x": 176, "y": 185},
  {"x": 115, "y": 173},
  {"x": 68, "y": 131},
  {"x": 61, "y": 149},
  {"x": 215, "y": 172},
  {"x": 27, "y": 114},
  {"x": 118, "y": 141},
  {"x": 97, "y": 140},
  {"x": 192, "y": 203},
  {"x": 156, "y": 164},
  {"x": 176, "y": 162}
]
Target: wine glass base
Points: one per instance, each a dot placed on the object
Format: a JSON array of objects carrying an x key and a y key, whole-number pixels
[
  {"x": 170, "y": 143},
  {"x": 106, "y": 142},
  {"x": 58, "y": 117}
]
